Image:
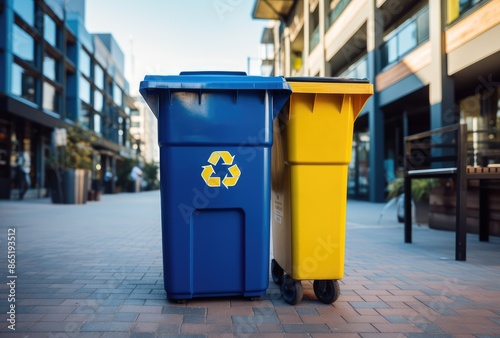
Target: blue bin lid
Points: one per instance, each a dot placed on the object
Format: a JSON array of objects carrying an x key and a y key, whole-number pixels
[{"x": 214, "y": 80}]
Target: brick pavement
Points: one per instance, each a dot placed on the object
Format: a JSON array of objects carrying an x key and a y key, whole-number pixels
[{"x": 95, "y": 270}]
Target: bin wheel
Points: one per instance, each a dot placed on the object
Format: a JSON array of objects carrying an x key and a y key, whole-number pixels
[
  {"x": 291, "y": 290},
  {"x": 327, "y": 291},
  {"x": 277, "y": 272},
  {"x": 178, "y": 301}
]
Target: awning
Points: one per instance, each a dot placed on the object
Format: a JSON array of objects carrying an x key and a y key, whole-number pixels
[{"x": 272, "y": 9}]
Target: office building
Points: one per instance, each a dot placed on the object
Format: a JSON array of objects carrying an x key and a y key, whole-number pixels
[
  {"x": 54, "y": 73},
  {"x": 433, "y": 63}
]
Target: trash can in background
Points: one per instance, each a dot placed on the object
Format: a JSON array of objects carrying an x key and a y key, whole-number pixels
[
  {"x": 310, "y": 156},
  {"x": 215, "y": 136}
]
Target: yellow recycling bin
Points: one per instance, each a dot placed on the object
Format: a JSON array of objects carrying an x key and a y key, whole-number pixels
[{"x": 310, "y": 155}]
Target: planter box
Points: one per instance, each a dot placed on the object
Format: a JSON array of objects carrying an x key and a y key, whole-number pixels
[
  {"x": 443, "y": 208},
  {"x": 70, "y": 186}
]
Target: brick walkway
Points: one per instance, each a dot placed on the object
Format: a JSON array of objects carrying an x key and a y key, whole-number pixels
[{"x": 95, "y": 270}]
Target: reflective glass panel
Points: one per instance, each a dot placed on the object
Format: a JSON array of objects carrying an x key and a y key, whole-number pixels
[
  {"x": 98, "y": 101},
  {"x": 407, "y": 39},
  {"x": 23, "y": 84},
  {"x": 84, "y": 90},
  {"x": 49, "y": 67},
  {"x": 99, "y": 77},
  {"x": 117, "y": 95},
  {"x": 23, "y": 44},
  {"x": 97, "y": 123},
  {"x": 26, "y": 10},
  {"x": 84, "y": 115},
  {"x": 84, "y": 63},
  {"x": 50, "y": 97},
  {"x": 50, "y": 30}
]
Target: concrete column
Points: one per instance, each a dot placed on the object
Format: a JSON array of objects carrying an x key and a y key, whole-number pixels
[
  {"x": 322, "y": 18},
  {"x": 374, "y": 33},
  {"x": 305, "y": 52},
  {"x": 6, "y": 58},
  {"x": 441, "y": 89},
  {"x": 286, "y": 62}
]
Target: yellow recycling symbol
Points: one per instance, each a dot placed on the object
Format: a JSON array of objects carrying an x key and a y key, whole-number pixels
[{"x": 208, "y": 170}]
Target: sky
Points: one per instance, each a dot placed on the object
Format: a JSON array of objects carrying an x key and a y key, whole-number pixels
[{"x": 165, "y": 37}]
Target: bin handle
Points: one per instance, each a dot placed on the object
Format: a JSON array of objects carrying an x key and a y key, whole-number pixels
[{"x": 215, "y": 72}]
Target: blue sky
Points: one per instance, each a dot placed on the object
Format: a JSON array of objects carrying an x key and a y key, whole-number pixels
[{"x": 169, "y": 36}]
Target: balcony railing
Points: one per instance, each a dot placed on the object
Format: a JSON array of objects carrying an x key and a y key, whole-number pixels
[
  {"x": 335, "y": 12},
  {"x": 358, "y": 70},
  {"x": 408, "y": 36}
]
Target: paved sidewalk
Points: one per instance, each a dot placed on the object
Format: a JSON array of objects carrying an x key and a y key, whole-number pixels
[{"x": 95, "y": 270}]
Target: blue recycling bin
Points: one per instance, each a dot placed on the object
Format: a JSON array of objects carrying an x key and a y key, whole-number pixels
[{"x": 215, "y": 136}]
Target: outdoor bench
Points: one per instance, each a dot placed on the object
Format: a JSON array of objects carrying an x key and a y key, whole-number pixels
[{"x": 442, "y": 153}]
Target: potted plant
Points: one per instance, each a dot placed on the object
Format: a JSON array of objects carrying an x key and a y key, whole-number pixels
[
  {"x": 71, "y": 166},
  {"x": 151, "y": 176},
  {"x": 420, "y": 190}
]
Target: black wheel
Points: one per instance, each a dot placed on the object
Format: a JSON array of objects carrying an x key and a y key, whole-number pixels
[
  {"x": 277, "y": 272},
  {"x": 291, "y": 290},
  {"x": 178, "y": 301},
  {"x": 401, "y": 219},
  {"x": 327, "y": 291}
]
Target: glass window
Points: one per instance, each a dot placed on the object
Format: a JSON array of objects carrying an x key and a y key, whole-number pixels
[
  {"x": 23, "y": 44},
  {"x": 97, "y": 123},
  {"x": 99, "y": 77},
  {"x": 26, "y": 10},
  {"x": 84, "y": 117},
  {"x": 84, "y": 62},
  {"x": 117, "y": 95},
  {"x": 134, "y": 113},
  {"x": 392, "y": 50},
  {"x": 50, "y": 67},
  {"x": 135, "y": 124},
  {"x": 407, "y": 38},
  {"x": 50, "y": 30},
  {"x": 98, "y": 101},
  {"x": 23, "y": 84},
  {"x": 423, "y": 27},
  {"x": 120, "y": 130},
  {"x": 84, "y": 90},
  {"x": 50, "y": 97}
]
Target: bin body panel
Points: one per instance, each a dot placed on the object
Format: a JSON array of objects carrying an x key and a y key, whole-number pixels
[
  {"x": 311, "y": 151},
  {"x": 308, "y": 221},
  {"x": 320, "y": 122},
  {"x": 223, "y": 255},
  {"x": 215, "y": 239}
]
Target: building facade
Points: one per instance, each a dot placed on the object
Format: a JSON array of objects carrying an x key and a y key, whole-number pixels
[
  {"x": 433, "y": 63},
  {"x": 144, "y": 131},
  {"x": 55, "y": 74}
]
